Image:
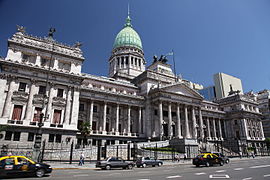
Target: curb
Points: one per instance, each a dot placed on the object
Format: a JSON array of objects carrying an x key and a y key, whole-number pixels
[{"x": 74, "y": 168}]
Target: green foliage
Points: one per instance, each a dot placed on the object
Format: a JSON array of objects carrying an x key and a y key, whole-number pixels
[
  {"x": 162, "y": 149},
  {"x": 3, "y": 127},
  {"x": 267, "y": 141},
  {"x": 85, "y": 128},
  {"x": 251, "y": 148}
]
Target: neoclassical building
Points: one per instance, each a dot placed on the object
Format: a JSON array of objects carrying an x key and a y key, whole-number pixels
[{"x": 134, "y": 103}]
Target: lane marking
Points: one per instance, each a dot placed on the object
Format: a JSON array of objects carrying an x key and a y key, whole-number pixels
[
  {"x": 219, "y": 176},
  {"x": 238, "y": 169},
  {"x": 114, "y": 174},
  {"x": 266, "y": 175},
  {"x": 198, "y": 174},
  {"x": 261, "y": 166},
  {"x": 221, "y": 171},
  {"x": 81, "y": 175},
  {"x": 172, "y": 177},
  {"x": 247, "y": 178},
  {"x": 143, "y": 179}
]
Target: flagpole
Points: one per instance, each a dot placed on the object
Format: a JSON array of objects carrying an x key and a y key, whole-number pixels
[{"x": 174, "y": 67}]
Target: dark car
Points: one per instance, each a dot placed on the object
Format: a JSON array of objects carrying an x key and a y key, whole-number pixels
[
  {"x": 207, "y": 159},
  {"x": 147, "y": 161},
  {"x": 225, "y": 158},
  {"x": 114, "y": 162},
  {"x": 21, "y": 165}
]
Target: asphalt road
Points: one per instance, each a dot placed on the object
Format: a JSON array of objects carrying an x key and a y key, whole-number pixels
[{"x": 245, "y": 169}]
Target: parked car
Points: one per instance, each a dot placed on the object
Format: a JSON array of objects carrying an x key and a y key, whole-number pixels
[
  {"x": 21, "y": 165},
  {"x": 114, "y": 162},
  {"x": 147, "y": 161},
  {"x": 207, "y": 159},
  {"x": 225, "y": 158}
]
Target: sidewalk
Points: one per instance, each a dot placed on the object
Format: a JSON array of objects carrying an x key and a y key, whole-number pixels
[{"x": 92, "y": 165}]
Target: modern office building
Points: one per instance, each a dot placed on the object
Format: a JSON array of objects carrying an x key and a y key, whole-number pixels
[
  {"x": 225, "y": 83},
  {"x": 209, "y": 93}
]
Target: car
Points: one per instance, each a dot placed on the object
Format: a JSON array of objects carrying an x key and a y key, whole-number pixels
[
  {"x": 225, "y": 158},
  {"x": 148, "y": 161},
  {"x": 114, "y": 162},
  {"x": 21, "y": 165},
  {"x": 207, "y": 159}
]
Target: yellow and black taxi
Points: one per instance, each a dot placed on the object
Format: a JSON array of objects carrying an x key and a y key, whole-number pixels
[
  {"x": 21, "y": 165},
  {"x": 207, "y": 159}
]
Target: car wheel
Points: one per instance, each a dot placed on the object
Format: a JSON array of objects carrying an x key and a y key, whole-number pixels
[
  {"x": 130, "y": 166},
  {"x": 221, "y": 163},
  {"x": 40, "y": 172},
  {"x": 207, "y": 164},
  {"x": 227, "y": 161},
  {"x": 197, "y": 165},
  {"x": 144, "y": 165},
  {"x": 138, "y": 166},
  {"x": 108, "y": 167},
  {"x": 159, "y": 164}
]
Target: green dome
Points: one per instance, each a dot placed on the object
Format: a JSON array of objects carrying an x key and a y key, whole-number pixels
[{"x": 127, "y": 37}]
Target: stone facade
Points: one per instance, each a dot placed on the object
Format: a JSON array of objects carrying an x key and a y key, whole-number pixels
[{"x": 134, "y": 104}]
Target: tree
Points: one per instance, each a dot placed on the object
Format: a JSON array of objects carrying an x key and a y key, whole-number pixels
[
  {"x": 85, "y": 130},
  {"x": 267, "y": 141}
]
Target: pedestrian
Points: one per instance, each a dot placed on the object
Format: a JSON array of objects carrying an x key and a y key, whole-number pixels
[
  {"x": 253, "y": 155},
  {"x": 177, "y": 157},
  {"x": 185, "y": 157},
  {"x": 81, "y": 162},
  {"x": 240, "y": 154}
]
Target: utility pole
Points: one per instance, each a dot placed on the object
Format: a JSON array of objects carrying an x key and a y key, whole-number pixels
[{"x": 38, "y": 139}]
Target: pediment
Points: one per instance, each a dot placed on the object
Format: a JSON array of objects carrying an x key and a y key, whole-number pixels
[{"x": 181, "y": 89}]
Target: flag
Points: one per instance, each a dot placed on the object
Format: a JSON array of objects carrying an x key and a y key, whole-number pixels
[{"x": 169, "y": 54}]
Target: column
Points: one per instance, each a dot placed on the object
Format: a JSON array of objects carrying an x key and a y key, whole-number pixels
[
  {"x": 160, "y": 120},
  {"x": 104, "y": 118},
  {"x": 170, "y": 133},
  {"x": 187, "y": 135},
  {"x": 220, "y": 129},
  {"x": 178, "y": 122},
  {"x": 194, "y": 123},
  {"x": 91, "y": 114},
  {"x": 75, "y": 107},
  {"x": 245, "y": 130},
  {"x": 68, "y": 105},
  {"x": 214, "y": 129},
  {"x": 117, "y": 120},
  {"x": 29, "y": 106},
  {"x": 261, "y": 130},
  {"x": 49, "y": 105},
  {"x": 140, "y": 121},
  {"x": 208, "y": 128},
  {"x": 201, "y": 124},
  {"x": 128, "y": 121},
  {"x": 8, "y": 104}
]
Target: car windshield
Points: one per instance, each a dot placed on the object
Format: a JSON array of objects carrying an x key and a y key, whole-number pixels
[{"x": 200, "y": 156}]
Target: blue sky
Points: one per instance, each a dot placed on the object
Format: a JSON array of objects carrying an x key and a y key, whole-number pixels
[{"x": 209, "y": 36}]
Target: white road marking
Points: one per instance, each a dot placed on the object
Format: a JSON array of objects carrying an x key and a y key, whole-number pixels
[
  {"x": 114, "y": 174},
  {"x": 238, "y": 169},
  {"x": 247, "y": 178},
  {"x": 80, "y": 175},
  {"x": 221, "y": 171},
  {"x": 219, "y": 176},
  {"x": 266, "y": 175},
  {"x": 143, "y": 179},
  {"x": 172, "y": 177},
  {"x": 198, "y": 174},
  {"x": 261, "y": 166}
]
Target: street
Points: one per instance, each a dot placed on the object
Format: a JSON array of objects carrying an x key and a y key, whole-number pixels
[{"x": 243, "y": 169}]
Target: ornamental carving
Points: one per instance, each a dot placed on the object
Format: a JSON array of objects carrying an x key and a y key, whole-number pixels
[
  {"x": 20, "y": 96},
  {"x": 59, "y": 102},
  {"x": 40, "y": 99}
]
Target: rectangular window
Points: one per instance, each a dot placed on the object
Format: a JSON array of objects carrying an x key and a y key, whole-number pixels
[
  {"x": 60, "y": 92},
  {"x": 31, "y": 137},
  {"x": 127, "y": 60},
  {"x": 17, "y": 136},
  {"x": 51, "y": 137},
  {"x": 94, "y": 108},
  {"x": 108, "y": 110},
  {"x": 58, "y": 138},
  {"x": 155, "y": 112},
  {"x": 81, "y": 107},
  {"x": 94, "y": 125},
  {"x": 8, "y": 135},
  {"x": 118, "y": 61},
  {"x": 22, "y": 86},
  {"x": 57, "y": 117},
  {"x": 42, "y": 90},
  {"x": 37, "y": 113},
  {"x": 173, "y": 114},
  {"x": 17, "y": 112},
  {"x": 43, "y": 61},
  {"x": 165, "y": 113}
]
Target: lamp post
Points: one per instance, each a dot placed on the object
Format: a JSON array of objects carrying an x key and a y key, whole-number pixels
[{"x": 41, "y": 118}]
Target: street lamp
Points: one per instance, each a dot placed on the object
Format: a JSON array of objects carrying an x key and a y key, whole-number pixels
[{"x": 37, "y": 146}]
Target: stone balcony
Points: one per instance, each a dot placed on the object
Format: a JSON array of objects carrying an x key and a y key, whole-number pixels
[{"x": 20, "y": 96}]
